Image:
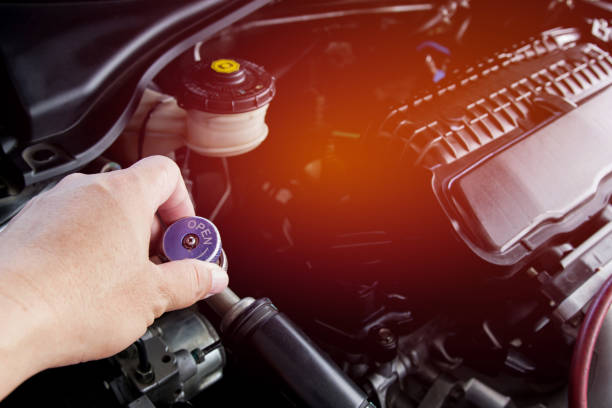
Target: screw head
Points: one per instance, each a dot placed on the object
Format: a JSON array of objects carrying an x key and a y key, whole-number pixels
[{"x": 190, "y": 241}]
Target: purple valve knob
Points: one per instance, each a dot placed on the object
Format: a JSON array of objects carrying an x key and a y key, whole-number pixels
[{"x": 192, "y": 237}]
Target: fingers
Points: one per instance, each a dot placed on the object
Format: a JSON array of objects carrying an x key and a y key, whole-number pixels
[
  {"x": 189, "y": 280},
  {"x": 164, "y": 187}
]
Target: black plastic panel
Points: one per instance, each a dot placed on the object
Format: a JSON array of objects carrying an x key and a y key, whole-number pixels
[{"x": 76, "y": 69}]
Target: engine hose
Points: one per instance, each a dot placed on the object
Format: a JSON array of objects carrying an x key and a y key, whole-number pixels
[{"x": 585, "y": 346}]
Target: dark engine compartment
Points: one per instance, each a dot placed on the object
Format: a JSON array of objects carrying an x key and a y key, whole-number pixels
[{"x": 435, "y": 186}]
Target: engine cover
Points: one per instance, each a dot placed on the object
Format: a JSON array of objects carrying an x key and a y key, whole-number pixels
[{"x": 521, "y": 150}]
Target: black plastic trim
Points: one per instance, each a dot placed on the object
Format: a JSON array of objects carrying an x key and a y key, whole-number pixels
[{"x": 84, "y": 112}]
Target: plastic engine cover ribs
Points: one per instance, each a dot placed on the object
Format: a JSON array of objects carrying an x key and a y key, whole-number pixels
[{"x": 520, "y": 146}]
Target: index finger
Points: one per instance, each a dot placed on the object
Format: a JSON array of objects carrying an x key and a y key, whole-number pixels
[{"x": 164, "y": 187}]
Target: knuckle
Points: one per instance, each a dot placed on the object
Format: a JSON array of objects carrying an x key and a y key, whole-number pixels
[
  {"x": 92, "y": 188},
  {"x": 129, "y": 178},
  {"x": 72, "y": 177},
  {"x": 101, "y": 189},
  {"x": 148, "y": 175},
  {"x": 129, "y": 189},
  {"x": 162, "y": 167},
  {"x": 164, "y": 163},
  {"x": 102, "y": 185},
  {"x": 168, "y": 170}
]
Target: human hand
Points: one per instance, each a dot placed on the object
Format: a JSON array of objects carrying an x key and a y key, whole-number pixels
[{"x": 76, "y": 282}]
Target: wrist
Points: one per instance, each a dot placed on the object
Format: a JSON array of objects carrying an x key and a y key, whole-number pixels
[{"x": 23, "y": 352}]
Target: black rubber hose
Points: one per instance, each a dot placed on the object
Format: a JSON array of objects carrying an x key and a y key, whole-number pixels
[{"x": 261, "y": 331}]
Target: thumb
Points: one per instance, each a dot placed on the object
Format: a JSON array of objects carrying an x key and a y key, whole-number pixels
[{"x": 189, "y": 280}]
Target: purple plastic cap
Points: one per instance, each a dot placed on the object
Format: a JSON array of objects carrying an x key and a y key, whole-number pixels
[{"x": 192, "y": 237}]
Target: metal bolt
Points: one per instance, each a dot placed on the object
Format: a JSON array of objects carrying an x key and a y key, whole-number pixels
[
  {"x": 385, "y": 336},
  {"x": 145, "y": 377},
  {"x": 190, "y": 241}
]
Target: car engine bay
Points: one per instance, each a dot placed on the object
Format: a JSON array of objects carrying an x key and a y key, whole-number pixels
[{"x": 423, "y": 188}]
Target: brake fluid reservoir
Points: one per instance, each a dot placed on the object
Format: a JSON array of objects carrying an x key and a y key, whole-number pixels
[{"x": 226, "y": 102}]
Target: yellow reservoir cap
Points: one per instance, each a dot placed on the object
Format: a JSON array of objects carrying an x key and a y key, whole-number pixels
[{"x": 225, "y": 66}]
